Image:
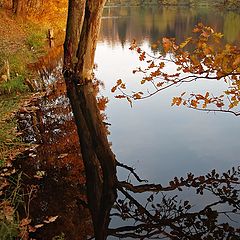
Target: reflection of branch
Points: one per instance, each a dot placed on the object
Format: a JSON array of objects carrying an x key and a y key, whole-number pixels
[
  {"x": 190, "y": 181},
  {"x": 143, "y": 188},
  {"x": 156, "y": 226},
  {"x": 137, "y": 204},
  {"x": 171, "y": 218},
  {"x": 153, "y": 221},
  {"x": 131, "y": 231},
  {"x": 132, "y": 170}
]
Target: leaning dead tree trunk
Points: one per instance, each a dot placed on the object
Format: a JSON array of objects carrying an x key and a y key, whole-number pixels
[{"x": 84, "y": 18}]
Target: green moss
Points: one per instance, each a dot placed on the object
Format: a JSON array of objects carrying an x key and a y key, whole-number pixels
[
  {"x": 36, "y": 39},
  {"x": 15, "y": 85},
  {"x": 34, "y": 47}
]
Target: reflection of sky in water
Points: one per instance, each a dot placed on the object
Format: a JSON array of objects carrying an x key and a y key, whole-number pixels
[{"x": 163, "y": 141}]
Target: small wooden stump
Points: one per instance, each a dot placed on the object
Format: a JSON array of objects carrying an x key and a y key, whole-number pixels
[{"x": 50, "y": 37}]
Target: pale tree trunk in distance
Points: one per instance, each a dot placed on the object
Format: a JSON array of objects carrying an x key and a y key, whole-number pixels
[
  {"x": 83, "y": 25},
  {"x": 20, "y": 8}
]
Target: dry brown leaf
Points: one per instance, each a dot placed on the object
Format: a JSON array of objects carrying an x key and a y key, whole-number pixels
[{"x": 51, "y": 219}]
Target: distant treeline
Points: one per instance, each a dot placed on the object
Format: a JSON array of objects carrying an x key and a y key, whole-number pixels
[
  {"x": 229, "y": 4},
  {"x": 150, "y": 2}
]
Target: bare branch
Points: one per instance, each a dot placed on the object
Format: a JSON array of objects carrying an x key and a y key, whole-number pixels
[{"x": 132, "y": 170}]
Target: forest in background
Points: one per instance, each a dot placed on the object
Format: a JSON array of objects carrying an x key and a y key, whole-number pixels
[{"x": 37, "y": 4}]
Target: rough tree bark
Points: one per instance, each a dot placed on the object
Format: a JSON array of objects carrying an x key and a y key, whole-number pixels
[{"x": 83, "y": 24}]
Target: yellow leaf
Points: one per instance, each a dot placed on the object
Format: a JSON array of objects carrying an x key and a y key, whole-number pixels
[
  {"x": 183, "y": 44},
  {"x": 233, "y": 104},
  {"x": 218, "y": 35}
]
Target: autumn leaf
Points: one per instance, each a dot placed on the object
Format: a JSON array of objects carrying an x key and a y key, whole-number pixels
[
  {"x": 25, "y": 222},
  {"x": 185, "y": 43},
  {"x": 142, "y": 56},
  {"x": 161, "y": 65},
  {"x": 50, "y": 219},
  {"x": 38, "y": 226},
  {"x": 137, "y": 95},
  {"x": 233, "y": 104},
  {"x": 123, "y": 86},
  {"x": 167, "y": 44},
  {"x": 176, "y": 101},
  {"x": 160, "y": 84},
  {"x": 133, "y": 45},
  {"x": 31, "y": 229},
  {"x": 218, "y": 35},
  {"x": 8, "y": 211},
  {"x": 206, "y": 59},
  {"x": 152, "y": 65},
  {"x": 114, "y": 89},
  {"x": 119, "y": 81}
]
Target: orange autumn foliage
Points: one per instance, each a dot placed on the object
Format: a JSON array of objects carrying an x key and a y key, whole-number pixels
[{"x": 200, "y": 57}]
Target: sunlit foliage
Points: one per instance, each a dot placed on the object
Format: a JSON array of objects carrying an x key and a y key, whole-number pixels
[{"x": 200, "y": 57}]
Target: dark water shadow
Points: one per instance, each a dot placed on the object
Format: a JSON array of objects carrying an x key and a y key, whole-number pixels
[{"x": 53, "y": 165}]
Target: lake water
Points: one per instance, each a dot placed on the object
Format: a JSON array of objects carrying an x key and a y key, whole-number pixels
[{"x": 161, "y": 141}]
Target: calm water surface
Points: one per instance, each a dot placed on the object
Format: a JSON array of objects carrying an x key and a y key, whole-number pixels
[{"x": 159, "y": 140}]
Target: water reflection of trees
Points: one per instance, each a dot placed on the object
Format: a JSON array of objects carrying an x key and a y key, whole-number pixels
[
  {"x": 167, "y": 218},
  {"x": 160, "y": 215},
  {"x": 155, "y": 23},
  {"x": 142, "y": 210},
  {"x": 156, "y": 215}
]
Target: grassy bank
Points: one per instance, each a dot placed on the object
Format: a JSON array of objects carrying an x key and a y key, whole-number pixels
[{"x": 21, "y": 44}]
